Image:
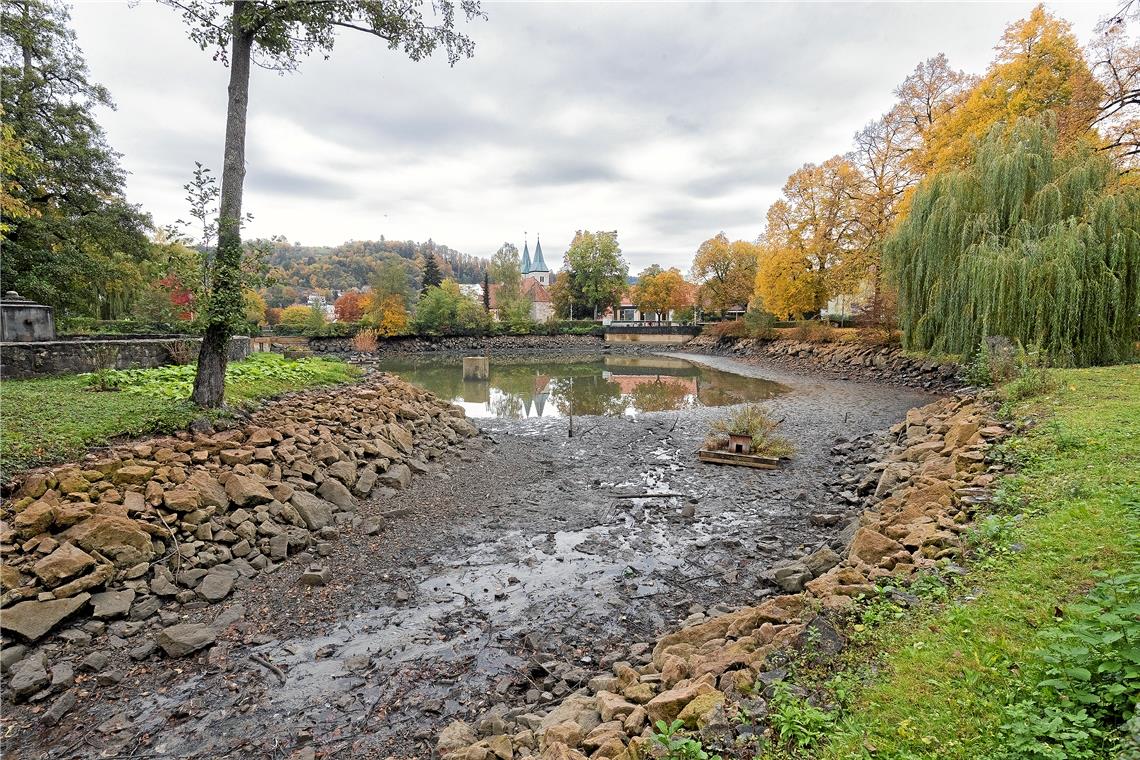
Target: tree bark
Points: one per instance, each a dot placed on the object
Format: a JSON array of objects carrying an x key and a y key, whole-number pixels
[{"x": 224, "y": 307}]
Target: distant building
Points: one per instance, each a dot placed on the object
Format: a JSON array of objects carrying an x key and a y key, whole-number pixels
[
  {"x": 541, "y": 305},
  {"x": 536, "y": 269},
  {"x": 626, "y": 310}
]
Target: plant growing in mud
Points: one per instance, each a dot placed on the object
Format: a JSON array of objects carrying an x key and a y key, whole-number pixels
[{"x": 754, "y": 422}]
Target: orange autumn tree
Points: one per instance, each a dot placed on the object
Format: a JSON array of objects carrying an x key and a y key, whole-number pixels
[
  {"x": 660, "y": 291},
  {"x": 351, "y": 306}
]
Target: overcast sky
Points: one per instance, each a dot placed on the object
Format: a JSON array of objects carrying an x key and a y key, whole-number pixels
[{"x": 667, "y": 122}]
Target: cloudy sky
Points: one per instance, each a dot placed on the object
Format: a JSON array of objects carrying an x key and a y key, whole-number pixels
[{"x": 667, "y": 122}]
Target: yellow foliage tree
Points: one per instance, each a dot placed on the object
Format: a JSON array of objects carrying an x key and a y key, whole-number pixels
[
  {"x": 1039, "y": 66},
  {"x": 392, "y": 316},
  {"x": 254, "y": 306},
  {"x": 660, "y": 291},
  {"x": 786, "y": 285},
  {"x": 726, "y": 272},
  {"x": 815, "y": 223}
]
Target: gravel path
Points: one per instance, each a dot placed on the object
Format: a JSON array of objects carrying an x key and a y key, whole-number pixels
[{"x": 514, "y": 568}]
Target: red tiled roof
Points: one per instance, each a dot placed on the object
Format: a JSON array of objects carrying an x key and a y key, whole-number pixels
[{"x": 531, "y": 288}]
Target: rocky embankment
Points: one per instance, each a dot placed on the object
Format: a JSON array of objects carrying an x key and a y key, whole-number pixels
[
  {"x": 919, "y": 496},
  {"x": 132, "y": 547},
  {"x": 841, "y": 360}
]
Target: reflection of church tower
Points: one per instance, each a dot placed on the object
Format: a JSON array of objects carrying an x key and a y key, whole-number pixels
[{"x": 541, "y": 393}]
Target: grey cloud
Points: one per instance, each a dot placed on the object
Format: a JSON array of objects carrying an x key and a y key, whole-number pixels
[
  {"x": 282, "y": 181},
  {"x": 565, "y": 171},
  {"x": 561, "y": 95},
  {"x": 690, "y": 219}
]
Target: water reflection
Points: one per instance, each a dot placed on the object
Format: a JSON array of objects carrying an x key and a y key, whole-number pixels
[{"x": 610, "y": 386}]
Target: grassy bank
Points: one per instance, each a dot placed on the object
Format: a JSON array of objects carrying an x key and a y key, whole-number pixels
[
  {"x": 59, "y": 418},
  {"x": 1037, "y": 653}
]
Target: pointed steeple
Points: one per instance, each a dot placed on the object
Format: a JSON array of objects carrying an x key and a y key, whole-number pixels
[
  {"x": 539, "y": 264},
  {"x": 525, "y": 267}
]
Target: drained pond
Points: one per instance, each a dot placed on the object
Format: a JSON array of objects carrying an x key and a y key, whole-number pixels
[{"x": 610, "y": 386}]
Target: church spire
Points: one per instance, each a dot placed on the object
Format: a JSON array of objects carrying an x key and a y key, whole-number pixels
[
  {"x": 539, "y": 264},
  {"x": 525, "y": 267}
]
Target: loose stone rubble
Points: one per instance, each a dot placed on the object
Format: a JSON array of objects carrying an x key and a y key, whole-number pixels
[
  {"x": 920, "y": 498},
  {"x": 126, "y": 540}
]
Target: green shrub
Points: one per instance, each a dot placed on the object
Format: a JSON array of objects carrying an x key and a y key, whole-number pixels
[
  {"x": 678, "y": 745},
  {"x": 1087, "y": 679},
  {"x": 798, "y": 724}
]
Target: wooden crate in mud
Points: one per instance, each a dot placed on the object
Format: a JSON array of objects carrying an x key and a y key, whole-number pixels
[{"x": 740, "y": 459}]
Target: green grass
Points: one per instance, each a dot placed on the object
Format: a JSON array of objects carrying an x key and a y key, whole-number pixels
[
  {"x": 1068, "y": 520},
  {"x": 59, "y": 418}
]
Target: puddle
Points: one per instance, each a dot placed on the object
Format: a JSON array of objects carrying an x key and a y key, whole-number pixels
[{"x": 610, "y": 386}]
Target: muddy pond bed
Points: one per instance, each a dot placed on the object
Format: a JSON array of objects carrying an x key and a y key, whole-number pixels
[{"x": 514, "y": 569}]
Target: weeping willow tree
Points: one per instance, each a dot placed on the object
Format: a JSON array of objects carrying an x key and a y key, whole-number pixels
[{"x": 1026, "y": 243}]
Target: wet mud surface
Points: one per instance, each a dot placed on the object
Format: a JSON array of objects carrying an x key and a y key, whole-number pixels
[{"x": 527, "y": 553}]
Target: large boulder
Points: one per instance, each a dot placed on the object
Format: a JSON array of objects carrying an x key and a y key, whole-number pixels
[
  {"x": 396, "y": 476},
  {"x": 246, "y": 491},
  {"x": 333, "y": 490},
  {"x": 315, "y": 511},
  {"x": 119, "y": 538},
  {"x": 210, "y": 491},
  {"x": 182, "y": 499},
  {"x": 31, "y": 620},
  {"x": 668, "y": 704},
  {"x": 28, "y": 677},
  {"x": 873, "y": 547},
  {"x": 67, "y": 561},
  {"x": 36, "y": 518},
  {"x": 112, "y": 604}
]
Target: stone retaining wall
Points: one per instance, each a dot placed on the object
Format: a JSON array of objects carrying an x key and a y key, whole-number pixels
[
  {"x": 920, "y": 498},
  {"x": 845, "y": 360},
  {"x": 138, "y": 535},
  {"x": 26, "y": 359},
  {"x": 494, "y": 343}
]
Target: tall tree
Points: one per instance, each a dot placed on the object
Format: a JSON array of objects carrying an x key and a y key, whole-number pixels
[
  {"x": 725, "y": 273},
  {"x": 1039, "y": 67},
  {"x": 512, "y": 304},
  {"x": 1115, "y": 61},
  {"x": 71, "y": 239},
  {"x": 594, "y": 273},
  {"x": 931, "y": 93},
  {"x": 816, "y": 222},
  {"x": 283, "y": 32},
  {"x": 394, "y": 277},
  {"x": 432, "y": 277},
  {"x": 1027, "y": 241},
  {"x": 660, "y": 291}
]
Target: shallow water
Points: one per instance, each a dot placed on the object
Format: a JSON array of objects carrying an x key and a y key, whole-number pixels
[{"x": 610, "y": 386}]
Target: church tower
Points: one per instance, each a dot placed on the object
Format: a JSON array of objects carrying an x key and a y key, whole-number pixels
[
  {"x": 537, "y": 269},
  {"x": 525, "y": 266}
]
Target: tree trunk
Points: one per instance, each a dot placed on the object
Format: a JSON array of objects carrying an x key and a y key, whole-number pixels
[{"x": 224, "y": 307}]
